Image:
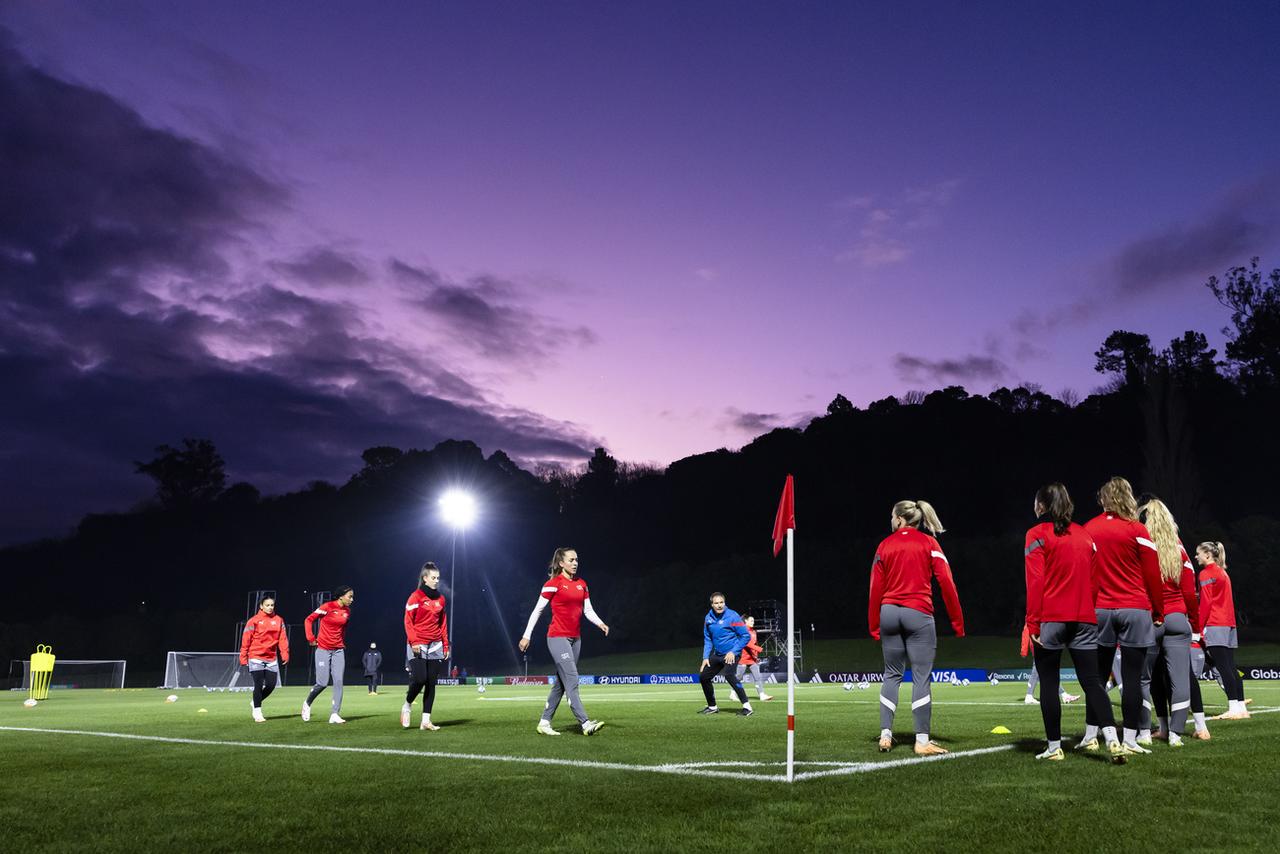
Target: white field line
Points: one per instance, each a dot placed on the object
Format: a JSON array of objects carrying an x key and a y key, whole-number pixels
[
  {"x": 594, "y": 698},
  {"x": 687, "y": 769}
]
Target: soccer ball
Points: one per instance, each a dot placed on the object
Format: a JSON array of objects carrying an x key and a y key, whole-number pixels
[
  {"x": 862, "y": 686},
  {"x": 30, "y": 703},
  {"x": 964, "y": 681},
  {"x": 479, "y": 689},
  {"x": 172, "y": 698},
  {"x": 848, "y": 686}
]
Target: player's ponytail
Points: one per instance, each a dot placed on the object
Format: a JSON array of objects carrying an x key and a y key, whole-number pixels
[
  {"x": 553, "y": 568},
  {"x": 1055, "y": 503},
  {"x": 1217, "y": 551},
  {"x": 1164, "y": 533},
  {"x": 918, "y": 514}
]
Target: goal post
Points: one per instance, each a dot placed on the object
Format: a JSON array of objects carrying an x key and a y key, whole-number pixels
[{"x": 184, "y": 669}]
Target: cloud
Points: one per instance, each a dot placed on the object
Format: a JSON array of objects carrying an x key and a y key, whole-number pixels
[
  {"x": 132, "y": 313},
  {"x": 707, "y": 274},
  {"x": 489, "y": 315},
  {"x": 1238, "y": 225},
  {"x": 971, "y": 368},
  {"x": 752, "y": 422},
  {"x": 885, "y": 225},
  {"x": 323, "y": 266}
]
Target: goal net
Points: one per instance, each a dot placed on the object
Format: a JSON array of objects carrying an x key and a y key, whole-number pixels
[
  {"x": 207, "y": 670},
  {"x": 78, "y": 673}
]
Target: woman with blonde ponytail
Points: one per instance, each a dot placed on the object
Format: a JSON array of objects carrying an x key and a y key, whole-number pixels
[
  {"x": 1129, "y": 604},
  {"x": 1171, "y": 655},
  {"x": 1218, "y": 625},
  {"x": 900, "y": 614}
]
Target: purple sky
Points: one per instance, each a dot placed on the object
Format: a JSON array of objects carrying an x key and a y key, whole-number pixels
[{"x": 304, "y": 229}]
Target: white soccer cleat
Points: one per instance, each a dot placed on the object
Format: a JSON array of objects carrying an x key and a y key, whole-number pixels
[
  {"x": 427, "y": 724},
  {"x": 1133, "y": 749},
  {"x": 1144, "y": 740},
  {"x": 1054, "y": 755},
  {"x": 334, "y": 719},
  {"x": 591, "y": 727},
  {"x": 306, "y": 711},
  {"x": 1091, "y": 745},
  {"x": 1030, "y": 700},
  {"x": 1175, "y": 740},
  {"x": 1070, "y": 698},
  {"x": 544, "y": 728},
  {"x": 257, "y": 716},
  {"x": 764, "y": 698},
  {"x": 405, "y": 712}
]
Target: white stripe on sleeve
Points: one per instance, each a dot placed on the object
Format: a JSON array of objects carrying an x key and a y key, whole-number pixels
[
  {"x": 550, "y": 589},
  {"x": 533, "y": 618},
  {"x": 1143, "y": 541},
  {"x": 590, "y": 613},
  {"x": 939, "y": 554},
  {"x": 411, "y": 607}
]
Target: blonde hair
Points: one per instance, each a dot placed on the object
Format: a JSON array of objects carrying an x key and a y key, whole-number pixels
[
  {"x": 1217, "y": 551},
  {"x": 1116, "y": 496},
  {"x": 918, "y": 514},
  {"x": 1164, "y": 533}
]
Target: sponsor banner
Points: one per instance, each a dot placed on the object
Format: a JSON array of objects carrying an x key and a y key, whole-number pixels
[
  {"x": 973, "y": 675},
  {"x": 586, "y": 680},
  {"x": 1272, "y": 672},
  {"x": 670, "y": 679},
  {"x": 528, "y": 680},
  {"x": 1015, "y": 675},
  {"x": 629, "y": 679},
  {"x": 450, "y": 680},
  {"x": 854, "y": 676}
]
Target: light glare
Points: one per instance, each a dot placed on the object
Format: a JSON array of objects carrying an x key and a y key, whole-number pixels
[{"x": 458, "y": 509}]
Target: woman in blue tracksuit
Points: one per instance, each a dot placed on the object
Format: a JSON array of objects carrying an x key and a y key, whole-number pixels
[{"x": 724, "y": 634}]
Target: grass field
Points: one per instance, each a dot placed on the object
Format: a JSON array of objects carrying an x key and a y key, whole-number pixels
[{"x": 200, "y": 775}]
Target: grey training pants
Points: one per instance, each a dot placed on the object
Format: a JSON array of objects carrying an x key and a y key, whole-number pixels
[
  {"x": 907, "y": 637},
  {"x": 755, "y": 676},
  {"x": 330, "y": 664},
  {"x": 564, "y": 652}
]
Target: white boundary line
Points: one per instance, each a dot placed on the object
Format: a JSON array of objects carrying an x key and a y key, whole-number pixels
[{"x": 689, "y": 769}]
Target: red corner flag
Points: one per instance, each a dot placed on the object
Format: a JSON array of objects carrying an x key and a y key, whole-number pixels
[{"x": 786, "y": 517}]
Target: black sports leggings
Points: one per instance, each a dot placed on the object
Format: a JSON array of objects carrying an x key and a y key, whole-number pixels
[
  {"x": 264, "y": 682},
  {"x": 1225, "y": 660},
  {"x": 423, "y": 673},
  {"x": 1131, "y": 660},
  {"x": 1048, "y": 665}
]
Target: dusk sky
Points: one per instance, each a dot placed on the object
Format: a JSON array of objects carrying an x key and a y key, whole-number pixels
[{"x": 304, "y": 229}]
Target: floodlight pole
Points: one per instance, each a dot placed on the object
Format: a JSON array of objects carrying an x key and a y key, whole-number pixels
[{"x": 453, "y": 589}]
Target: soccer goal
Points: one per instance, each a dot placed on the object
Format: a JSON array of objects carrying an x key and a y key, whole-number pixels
[
  {"x": 77, "y": 673},
  {"x": 207, "y": 670}
]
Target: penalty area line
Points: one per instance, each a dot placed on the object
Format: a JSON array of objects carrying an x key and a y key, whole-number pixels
[{"x": 865, "y": 767}]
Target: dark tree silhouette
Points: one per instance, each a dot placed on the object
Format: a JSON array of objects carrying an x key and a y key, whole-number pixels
[
  {"x": 1127, "y": 354},
  {"x": 1254, "y": 345},
  {"x": 1190, "y": 360},
  {"x": 839, "y": 405},
  {"x": 191, "y": 475}
]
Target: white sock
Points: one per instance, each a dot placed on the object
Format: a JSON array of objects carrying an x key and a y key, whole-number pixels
[
  {"x": 1130, "y": 736},
  {"x": 407, "y": 708},
  {"x": 713, "y": 707},
  {"x": 426, "y": 717},
  {"x": 746, "y": 705},
  {"x": 1090, "y": 731},
  {"x": 1175, "y": 739},
  {"x": 1144, "y": 733},
  {"x": 1198, "y": 717},
  {"x": 922, "y": 738},
  {"x": 886, "y": 733},
  {"x": 1109, "y": 733},
  {"x": 1054, "y": 745}
]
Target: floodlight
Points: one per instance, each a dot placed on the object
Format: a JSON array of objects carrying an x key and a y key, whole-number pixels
[{"x": 458, "y": 509}]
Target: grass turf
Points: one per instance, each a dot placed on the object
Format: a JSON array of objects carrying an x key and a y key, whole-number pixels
[{"x": 63, "y": 792}]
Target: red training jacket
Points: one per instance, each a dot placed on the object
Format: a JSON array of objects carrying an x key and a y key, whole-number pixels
[
  {"x": 905, "y": 562},
  {"x": 333, "y": 628},
  {"x": 426, "y": 620},
  {"x": 751, "y": 652},
  {"x": 1128, "y": 565},
  {"x": 262, "y": 634},
  {"x": 1061, "y": 576},
  {"x": 1217, "y": 607}
]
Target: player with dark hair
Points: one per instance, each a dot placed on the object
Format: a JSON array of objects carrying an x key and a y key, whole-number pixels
[
  {"x": 330, "y": 644},
  {"x": 426, "y": 625},
  {"x": 264, "y": 633},
  {"x": 570, "y": 602},
  {"x": 724, "y": 636},
  {"x": 749, "y": 660},
  {"x": 1060, "y": 560}
]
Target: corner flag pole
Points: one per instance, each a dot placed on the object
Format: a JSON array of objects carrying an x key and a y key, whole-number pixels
[
  {"x": 791, "y": 656},
  {"x": 784, "y": 527}
]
